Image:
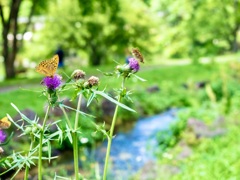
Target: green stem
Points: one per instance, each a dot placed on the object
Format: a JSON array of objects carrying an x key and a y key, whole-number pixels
[
  {"x": 75, "y": 139},
  {"x": 77, "y": 114},
  {"x": 40, "y": 145},
  {"x": 66, "y": 116},
  {"x": 110, "y": 137},
  {"x": 27, "y": 168},
  {"x": 26, "y": 173},
  {"x": 110, "y": 141},
  {"x": 75, "y": 154}
]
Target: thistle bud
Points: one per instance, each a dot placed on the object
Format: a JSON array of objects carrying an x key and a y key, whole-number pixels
[
  {"x": 78, "y": 74},
  {"x": 28, "y": 130},
  {"x": 93, "y": 81},
  {"x": 120, "y": 68},
  {"x": 123, "y": 68},
  {"x": 34, "y": 129}
]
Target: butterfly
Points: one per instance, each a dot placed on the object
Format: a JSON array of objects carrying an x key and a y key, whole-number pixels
[
  {"x": 48, "y": 67},
  {"x": 136, "y": 53},
  {"x": 5, "y": 123}
]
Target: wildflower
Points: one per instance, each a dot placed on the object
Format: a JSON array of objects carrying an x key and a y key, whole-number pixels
[
  {"x": 2, "y": 136},
  {"x": 52, "y": 82},
  {"x": 78, "y": 74},
  {"x": 133, "y": 64},
  {"x": 93, "y": 81}
]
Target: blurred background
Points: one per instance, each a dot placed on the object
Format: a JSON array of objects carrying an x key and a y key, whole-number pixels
[{"x": 189, "y": 103}]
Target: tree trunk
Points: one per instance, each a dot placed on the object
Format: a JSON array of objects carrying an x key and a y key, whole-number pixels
[
  {"x": 95, "y": 56},
  {"x": 8, "y": 63},
  {"x": 10, "y": 49},
  {"x": 9, "y": 68},
  {"x": 234, "y": 43}
]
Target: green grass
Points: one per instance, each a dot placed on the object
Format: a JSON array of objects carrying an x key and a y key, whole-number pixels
[
  {"x": 165, "y": 77},
  {"x": 24, "y": 99},
  {"x": 214, "y": 158}
]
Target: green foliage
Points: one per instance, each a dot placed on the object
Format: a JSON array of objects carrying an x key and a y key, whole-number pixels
[
  {"x": 211, "y": 157},
  {"x": 90, "y": 28},
  {"x": 187, "y": 29}
]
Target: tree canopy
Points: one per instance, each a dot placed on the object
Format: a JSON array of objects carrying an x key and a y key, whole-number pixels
[
  {"x": 100, "y": 31},
  {"x": 199, "y": 28}
]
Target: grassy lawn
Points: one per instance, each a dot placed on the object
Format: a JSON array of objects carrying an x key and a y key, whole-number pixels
[{"x": 29, "y": 96}]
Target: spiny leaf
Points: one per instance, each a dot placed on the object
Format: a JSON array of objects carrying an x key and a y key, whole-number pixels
[
  {"x": 101, "y": 93},
  {"x": 83, "y": 113},
  {"x": 93, "y": 95},
  {"x": 141, "y": 79}
]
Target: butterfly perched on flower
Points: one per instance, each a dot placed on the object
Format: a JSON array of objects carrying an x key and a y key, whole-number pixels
[
  {"x": 5, "y": 123},
  {"x": 137, "y": 54},
  {"x": 48, "y": 67}
]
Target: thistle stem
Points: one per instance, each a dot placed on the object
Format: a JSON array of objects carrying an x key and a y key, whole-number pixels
[
  {"x": 110, "y": 137},
  {"x": 75, "y": 154},
  {"x": 75, "y": 139},
  {"x": 27, "y": 168},
  {"x": 66, "y": 116},
  {"x": 26, "y": 173},
  {"x": 41, "y": 144},
  {"x": 110, "y": 141},
  {"x": 77, "y": 113}
]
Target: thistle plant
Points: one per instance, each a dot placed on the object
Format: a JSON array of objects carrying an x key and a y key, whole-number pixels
[
  {"x": 38, "y": 130},
  {"x": 125, "y": 71},
  {"x": 51, "y": 84}
]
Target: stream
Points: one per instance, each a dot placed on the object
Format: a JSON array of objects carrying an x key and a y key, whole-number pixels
[{"x": 130, "y": 151}]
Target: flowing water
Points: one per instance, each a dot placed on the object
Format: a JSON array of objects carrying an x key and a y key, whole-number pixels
[{"x": 130, "y": 151}]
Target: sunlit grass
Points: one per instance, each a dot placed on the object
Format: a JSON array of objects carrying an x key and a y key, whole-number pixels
[
  {"x": 25, "y": 99},
  {"x": 155, "y": 76}
]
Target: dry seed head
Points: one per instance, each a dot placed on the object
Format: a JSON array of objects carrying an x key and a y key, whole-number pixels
[
  {"x": 93, "y": 81},
  {"x": 78, "y": 74}
]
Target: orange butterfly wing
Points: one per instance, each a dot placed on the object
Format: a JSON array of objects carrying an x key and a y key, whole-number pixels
[
  {"x": 48, "y": 67},
  {"x": 137, "y": 54},
  {"x": 5, "y": 123}
]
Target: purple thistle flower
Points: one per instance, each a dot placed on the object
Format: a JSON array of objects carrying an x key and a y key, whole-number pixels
[
  {"x": 52, "y": 82},
  {"x": 133, "y": 64},
  {"x": 2, "y": 136}
]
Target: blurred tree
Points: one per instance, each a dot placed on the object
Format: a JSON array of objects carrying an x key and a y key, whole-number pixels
[
  {"x": 199, "y": 28},
  {"x": 10, "y": 13},
  {"x": 100, "y": 30}
]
